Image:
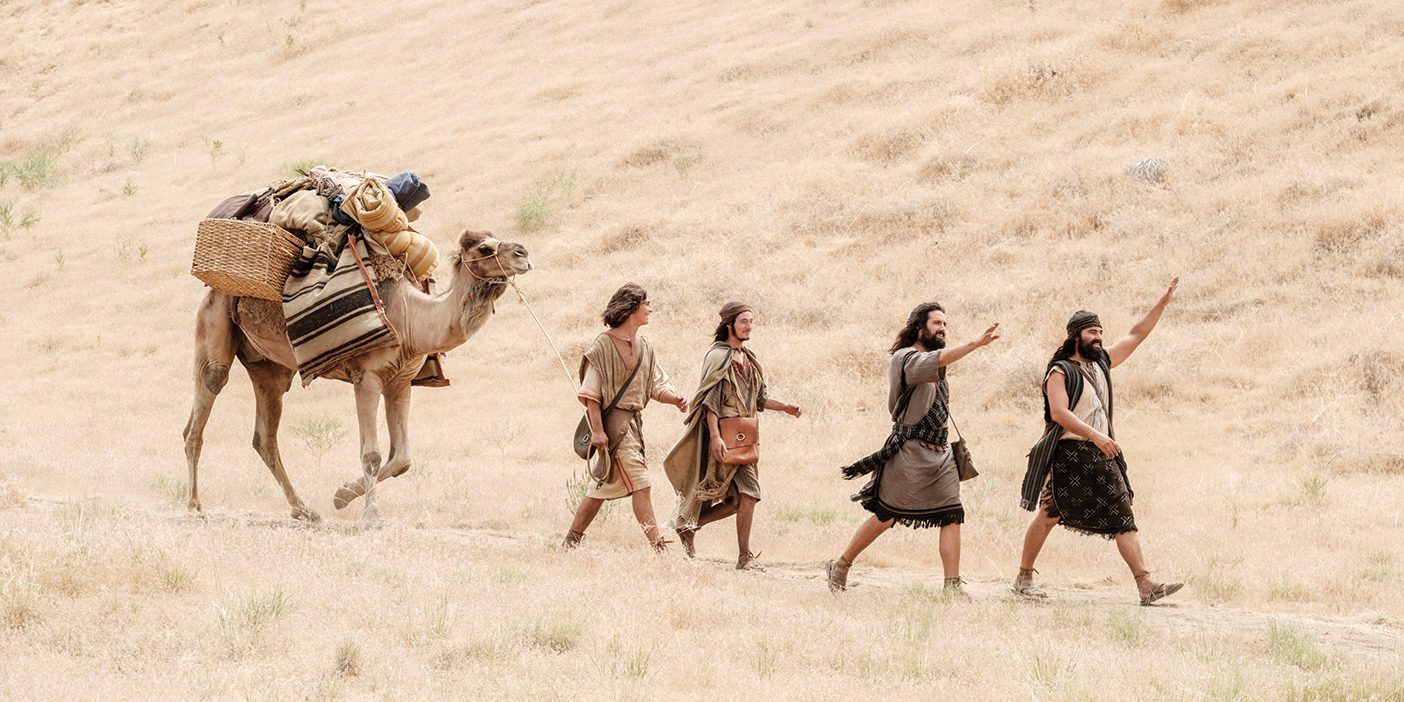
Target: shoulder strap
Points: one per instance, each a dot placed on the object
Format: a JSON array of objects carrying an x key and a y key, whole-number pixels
[{"x": 622, "y": 389}]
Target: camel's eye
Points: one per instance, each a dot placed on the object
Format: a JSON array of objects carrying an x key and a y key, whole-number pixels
[{"x": 485, "y": 249}]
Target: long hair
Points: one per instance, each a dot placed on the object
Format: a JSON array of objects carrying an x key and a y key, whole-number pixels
[
  {"x": 1065, "y": 351},
  {"x": 723, "y": 330},
  {"x": 915, "y": 321},
  {"x": 624, "y": 302}
]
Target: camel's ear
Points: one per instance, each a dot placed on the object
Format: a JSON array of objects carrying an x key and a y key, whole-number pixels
[{"x": 469, "y": 238}]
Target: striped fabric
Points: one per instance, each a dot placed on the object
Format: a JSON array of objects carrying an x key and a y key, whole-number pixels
[
  {"x": 1041, "y": 455},
  {"x": 333, "y": 309}
]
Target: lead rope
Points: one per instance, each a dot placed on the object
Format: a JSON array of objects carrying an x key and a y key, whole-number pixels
[{"x": 522, "y": 296}]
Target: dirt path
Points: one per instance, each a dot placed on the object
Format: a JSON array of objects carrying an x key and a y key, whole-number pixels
[{"x": 1367, "y": 633}]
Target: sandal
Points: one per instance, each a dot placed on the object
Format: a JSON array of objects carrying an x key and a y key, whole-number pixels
[
  {"x": 1024, "y": 585},
  {"x": 836, "y": 570},
  {"x": 1154, "y": 591}
]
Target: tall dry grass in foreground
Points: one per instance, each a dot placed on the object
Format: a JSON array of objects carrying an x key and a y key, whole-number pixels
[{"x": 831, "y": 164}]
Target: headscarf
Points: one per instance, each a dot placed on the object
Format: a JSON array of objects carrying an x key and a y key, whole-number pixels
[
  {"x": 1082, "y": 319},
  {"x": 733, "y": 309}
]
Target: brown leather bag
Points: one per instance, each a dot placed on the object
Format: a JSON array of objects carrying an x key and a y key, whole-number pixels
[{"x": 742, "y": 438}]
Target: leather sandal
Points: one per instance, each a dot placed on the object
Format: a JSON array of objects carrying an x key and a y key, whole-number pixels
[
  {"x": 837, "y": 573},
  {"x": 747, "y": 561},
  {"x": 1154, "y": 591},
  {"x": 1024, "y": 585}
]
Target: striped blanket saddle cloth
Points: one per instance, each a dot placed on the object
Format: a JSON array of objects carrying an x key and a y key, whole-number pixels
[{"x": 333, "y": 309}]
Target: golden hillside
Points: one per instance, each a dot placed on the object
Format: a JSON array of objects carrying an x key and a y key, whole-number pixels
[{"x": 833, "y": 164}]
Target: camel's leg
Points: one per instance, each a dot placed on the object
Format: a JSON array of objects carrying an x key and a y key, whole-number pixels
[
  {"x": 215, "y": 342},
  {"x": 271, "y": 381},
  {"x": 368, "y": 392},
  {"x": 397, "y": 403},
  {"x": 397, "y": 407}
]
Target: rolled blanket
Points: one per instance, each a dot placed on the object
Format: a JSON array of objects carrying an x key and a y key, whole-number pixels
[
  {"x": 374, "y": 207},
  {"x": 415, "y": 249}
]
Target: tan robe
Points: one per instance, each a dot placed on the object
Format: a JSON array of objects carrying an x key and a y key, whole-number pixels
[
  {"x": 729, "y": 392},
  {"x": 603, "y": 370}
]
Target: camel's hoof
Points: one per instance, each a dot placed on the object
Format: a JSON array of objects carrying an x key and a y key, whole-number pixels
[
  {"x": 344, "y": 496},
  {"x": 193, "y": 505},
  {"x": 305, "y": 514},
  {"x": 370, "y": 517}
]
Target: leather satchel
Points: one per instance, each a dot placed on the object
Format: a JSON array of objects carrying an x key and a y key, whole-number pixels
[
  {"x": 581, "y": 441},
  {"x": 742, "y": 438},
  {"x": 965, "y": 465}
]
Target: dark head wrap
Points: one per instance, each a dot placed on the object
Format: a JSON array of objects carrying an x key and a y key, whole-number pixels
[
  {"x": 1082, "y": 319},
  {"x": 733, "y": 309}
]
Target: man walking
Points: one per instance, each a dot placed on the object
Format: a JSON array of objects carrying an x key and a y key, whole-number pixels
[
  {"x": 710, "y": 485},
  {"x": 915, "y": 481},
  {"x": 1077, "y": 474},
  {"x": 608, "y": 379}
]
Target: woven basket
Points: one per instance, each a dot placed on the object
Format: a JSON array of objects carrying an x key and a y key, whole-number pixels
[{"x": 244, "y": 259}]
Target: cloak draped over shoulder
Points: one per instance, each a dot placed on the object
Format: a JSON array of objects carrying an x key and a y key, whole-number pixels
[{"x": 697, "y": 478}]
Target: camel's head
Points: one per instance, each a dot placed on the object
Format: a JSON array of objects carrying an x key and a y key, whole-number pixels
[{"x": 486, "y": 257}]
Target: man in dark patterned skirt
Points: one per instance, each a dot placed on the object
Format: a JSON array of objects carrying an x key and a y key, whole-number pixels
[{"x": 1077, "y": 474}]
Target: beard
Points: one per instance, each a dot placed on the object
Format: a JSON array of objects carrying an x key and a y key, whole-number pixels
[
  {"x": 1089, "y": 349},
  {"x": 933, "y": 342}
]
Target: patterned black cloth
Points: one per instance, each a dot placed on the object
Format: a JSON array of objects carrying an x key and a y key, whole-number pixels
[
  {"x": 1089, "y": 490},
  {"x": 931, "y": 429},
  {"x": 1041, "y": 455}
]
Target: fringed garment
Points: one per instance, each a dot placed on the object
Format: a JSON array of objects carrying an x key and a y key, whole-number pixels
[{"x": 914, "y": 475}]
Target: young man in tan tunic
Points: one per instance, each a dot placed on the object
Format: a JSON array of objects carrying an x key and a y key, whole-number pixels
[
  {"x": 620, "y": 469},
  {"x": 733, "y": 385},
  {"x": 1077, "y": 475}
]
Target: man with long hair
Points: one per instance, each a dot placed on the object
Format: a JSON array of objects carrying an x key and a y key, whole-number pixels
[
  {"x": 1077, "y": 473},
  {"x": 620, "y": 364},
  {"x": 915, "y": 482},
  {"x": 709, "y": 487}
]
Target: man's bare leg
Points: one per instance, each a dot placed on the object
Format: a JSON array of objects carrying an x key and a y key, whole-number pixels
[
  {"x": 1129, "y": 544},
  {"x": 584, "y": 514},
  {"x": 643, "y": 511},
  {"x": 866, "y": 534},
  {"x": 1034, "y": 538},
  {"x": 950, "y": 551},
  {"x": 745, "y": 515}
]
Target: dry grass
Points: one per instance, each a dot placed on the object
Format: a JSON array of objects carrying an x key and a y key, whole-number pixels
[{"x": 834, "y": 165}]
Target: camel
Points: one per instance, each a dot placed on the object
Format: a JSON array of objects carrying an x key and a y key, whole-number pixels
[{"x": 427, "y": 324}]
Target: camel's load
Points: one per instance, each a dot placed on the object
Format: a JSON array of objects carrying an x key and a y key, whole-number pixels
[
  {"x": 320, "y": 245},
  {"x": 248, "y": 245}
]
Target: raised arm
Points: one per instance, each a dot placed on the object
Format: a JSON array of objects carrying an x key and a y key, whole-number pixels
[
  {"x": 950, "y": 354},
  {"x": 1124, "y": 346}
]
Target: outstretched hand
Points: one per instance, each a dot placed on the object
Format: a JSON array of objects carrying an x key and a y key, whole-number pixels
[
  {"x": 682, "y": 404},
  {"x": 1170, "y": 292},
  {"x": 988, "y": 336}
]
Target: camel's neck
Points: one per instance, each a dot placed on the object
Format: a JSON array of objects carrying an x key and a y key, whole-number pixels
[{"x": 445, "y": 321}]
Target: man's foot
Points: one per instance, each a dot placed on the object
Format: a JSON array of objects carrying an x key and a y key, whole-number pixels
[
  {"x": 572, "y": 539},
  {"x": 747, "y": 561},
  {"x": 953, "y": 589},
  {"x": 661, "y": 546},
  {"x": 836, "y": 569},
  {"x": 1153, "y": 592},
  {"x": 1024, "y": 585},
  {"x": 686, "y": 537}
]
